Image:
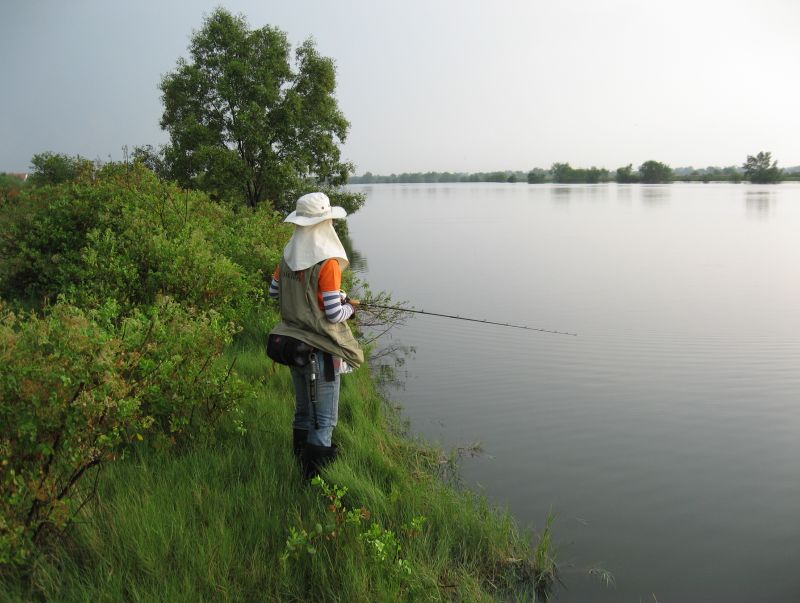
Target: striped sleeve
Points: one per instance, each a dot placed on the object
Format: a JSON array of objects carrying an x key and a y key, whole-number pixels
[
  {"x": 274, "y": 290},
  {"x": 335, "y": 310},
  {"x": 330, "y": 282}
]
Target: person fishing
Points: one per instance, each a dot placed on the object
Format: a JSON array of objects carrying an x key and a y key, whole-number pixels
[{"x": 313, "y": 337}]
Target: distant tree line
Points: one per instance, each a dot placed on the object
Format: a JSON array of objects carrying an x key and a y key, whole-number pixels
[
  {"x": 436, "y": 177},
  {"x": 758, "y": 169},
  {"x": 564, "y": 173},
  {"x": 57, "y": 168}
]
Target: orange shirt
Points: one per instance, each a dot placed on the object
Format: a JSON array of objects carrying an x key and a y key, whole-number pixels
[{"x": 330, "y": 278}]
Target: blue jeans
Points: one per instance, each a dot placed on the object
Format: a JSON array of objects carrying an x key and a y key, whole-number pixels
[{"x": 327, "y": 403}]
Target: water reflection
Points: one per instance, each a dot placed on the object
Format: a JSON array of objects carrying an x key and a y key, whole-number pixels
[
  {"x": 358, "y": 262},
  {"x": 561, "y": 194},
  {"x": 598, "y": 191},
  {"x": 388, "y": 360},
  {"x": 760, "y": 204},
  {"x": 565, "y": 193},
  {"x": 655, "y": 196},
  {"x": 624, "y": 193}
]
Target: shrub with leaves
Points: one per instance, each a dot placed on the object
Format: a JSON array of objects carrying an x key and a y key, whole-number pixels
[
  {"x": 78, "y": 386},
  {"x": 184, "y": 385},
  {"x": 138, "y": 288},
  {"x": 10, "y": 185},
  {"x": 377, "y": 543},
  {"x": 65, "y": 407},
  {"x": 123, "y": 234}
]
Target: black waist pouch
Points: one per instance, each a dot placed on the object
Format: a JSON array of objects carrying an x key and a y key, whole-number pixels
[{"x": 288, "y": 350}]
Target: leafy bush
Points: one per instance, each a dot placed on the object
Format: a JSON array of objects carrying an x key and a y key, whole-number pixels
[
  {"x": 185, "y": 388},
  {"x": 43, "y": 233},
  {"x": 136, "y": 288},
  {"x": 10, "y": 185},
  {"x": 65, "y": 407},
  {"x": 56, "y": 168},
  {"x": 375, "y": 544},
  {"x": 76, "y": 388},
  {"x": 126, "y": 235}
]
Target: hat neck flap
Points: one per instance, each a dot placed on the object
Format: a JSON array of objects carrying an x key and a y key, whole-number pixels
[{"x": 310, "y": 245}]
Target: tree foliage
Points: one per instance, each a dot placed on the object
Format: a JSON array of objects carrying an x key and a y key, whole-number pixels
[
  {"x": 78, "y": 386},
  {"x": 537, "y": 176},
  {"x": 655, "y": 172},
  {"x": 245, "y": 122},
  {"x": 10, "y": 186},
  {"x": 626, "y": 175},
  {"x": 711, "y": 173},
  {"x": 508, "y": 176},
  {"x": 57, "y": 168},
  {"x": 564, "y": 173},
  {"x": 134, "y": 287},
  {"x": 761, "y": 169},
  {"x": 125, "y": 235}
]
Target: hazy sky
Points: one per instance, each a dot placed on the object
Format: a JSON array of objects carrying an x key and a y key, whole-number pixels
[{"x": 436, "y": 85}]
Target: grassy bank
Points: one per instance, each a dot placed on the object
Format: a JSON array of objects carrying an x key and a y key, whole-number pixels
[
  {"x": 211, "y": 521},
  {"x": 145, "y": 449}
]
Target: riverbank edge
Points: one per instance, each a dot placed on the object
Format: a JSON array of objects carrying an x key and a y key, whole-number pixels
[{"x": 214, "y": 521}]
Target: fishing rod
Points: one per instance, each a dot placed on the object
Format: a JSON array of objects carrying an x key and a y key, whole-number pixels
[{"x": 367, "y": 304}]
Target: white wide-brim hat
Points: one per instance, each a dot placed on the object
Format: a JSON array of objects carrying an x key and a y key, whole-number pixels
[{"x": 314, "y": 208}]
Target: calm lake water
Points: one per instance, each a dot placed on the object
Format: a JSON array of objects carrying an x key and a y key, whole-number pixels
[{"x": 666, "y": 436}]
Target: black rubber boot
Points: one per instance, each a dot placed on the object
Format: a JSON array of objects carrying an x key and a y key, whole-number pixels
[
  {"x": 299, "y": 437},
  {"x": 316, "y": 458}
]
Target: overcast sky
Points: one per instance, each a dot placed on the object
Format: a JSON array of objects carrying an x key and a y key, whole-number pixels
[{"x": 468, "y": 85}]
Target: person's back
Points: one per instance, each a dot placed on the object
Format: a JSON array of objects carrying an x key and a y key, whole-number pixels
[{"x": 314, "y": 309}]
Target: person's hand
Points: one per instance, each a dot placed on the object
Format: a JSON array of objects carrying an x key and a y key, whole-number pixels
[{"x": 354, "y": 303}]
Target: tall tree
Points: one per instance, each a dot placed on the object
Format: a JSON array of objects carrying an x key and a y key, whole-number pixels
[
  {"x": 761, "y": 169},
  {"x": 562, "y": 173},
  {"x": 655, "y": 172},
  {"x": 247, "y": 122}
]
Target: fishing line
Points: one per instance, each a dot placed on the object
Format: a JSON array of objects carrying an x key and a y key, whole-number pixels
[{"x": 367, "y": 304}]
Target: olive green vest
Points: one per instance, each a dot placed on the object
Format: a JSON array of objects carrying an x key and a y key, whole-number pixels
[{"x": 304, "y": 320}]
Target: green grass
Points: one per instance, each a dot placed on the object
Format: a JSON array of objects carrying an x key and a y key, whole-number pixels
[{"x": 210, "y": 522}]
